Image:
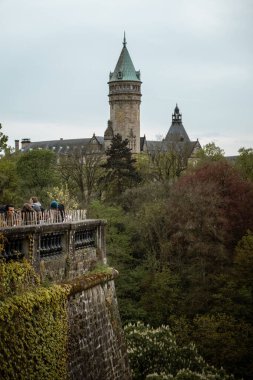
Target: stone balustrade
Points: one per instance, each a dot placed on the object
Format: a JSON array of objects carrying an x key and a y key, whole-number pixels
[
  {"x": 19, "y": 218},
  {"x": 58, "y": 251}
]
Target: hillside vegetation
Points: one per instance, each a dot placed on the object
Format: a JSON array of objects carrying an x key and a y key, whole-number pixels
[{"x": 182, "y": 239}]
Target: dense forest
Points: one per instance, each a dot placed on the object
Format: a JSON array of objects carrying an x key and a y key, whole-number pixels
[{"x": 181, "y": 238}]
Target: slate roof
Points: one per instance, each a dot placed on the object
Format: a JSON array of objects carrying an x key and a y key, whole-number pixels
[
  {"x": 177, "y": 133},
  {"x": 100, "y": 139},
  {"x": 62, "y": 146},
  {"x": 164, "y": 146},
  {"x": 124, "y": 70},
  {"x": 176, "y": 140}
]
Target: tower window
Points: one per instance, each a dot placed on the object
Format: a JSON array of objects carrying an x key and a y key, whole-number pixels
[{"x": 120, "y": 75}]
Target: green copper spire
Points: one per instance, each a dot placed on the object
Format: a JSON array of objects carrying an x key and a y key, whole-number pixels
[
  {"x": 124, "y": 70},
  {"x": 124, "y": 41}
]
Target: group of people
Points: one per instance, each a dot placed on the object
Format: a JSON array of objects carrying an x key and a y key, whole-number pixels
[{"x": 31, "y": 212}]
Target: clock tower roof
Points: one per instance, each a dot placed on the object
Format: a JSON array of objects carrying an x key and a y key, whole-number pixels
[{"x": 124, "y": 70}]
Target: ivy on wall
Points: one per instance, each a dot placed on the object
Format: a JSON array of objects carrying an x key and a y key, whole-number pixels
[
  {"x": 33, "y": 325},
  {"x": 16, "y": 277},
  {"x": 34, "y": 321}
]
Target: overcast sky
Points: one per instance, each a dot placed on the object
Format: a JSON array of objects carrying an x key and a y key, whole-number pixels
[{"x": 56, "y": 56}]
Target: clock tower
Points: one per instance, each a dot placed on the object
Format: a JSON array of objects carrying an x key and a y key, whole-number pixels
[{"x": 124, "y": 99}]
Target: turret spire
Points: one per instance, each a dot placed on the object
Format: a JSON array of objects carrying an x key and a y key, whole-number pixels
[
  {"x": 124, "y": 69},
  {"x": 124, "y": 40},
  {"x": 176, "y": 116}
]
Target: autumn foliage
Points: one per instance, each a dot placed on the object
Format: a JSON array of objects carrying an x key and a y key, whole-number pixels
[{"x": 234, "y": 197}]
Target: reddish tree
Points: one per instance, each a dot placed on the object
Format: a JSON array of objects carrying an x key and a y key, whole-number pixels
[{"x": 236, "y": 197}]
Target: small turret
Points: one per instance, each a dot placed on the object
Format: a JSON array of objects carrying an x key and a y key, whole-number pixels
[
  {"x": 177, "y": 132},
  {"x": 108, "y": 135},
  {"x": 176, "y": 116}
]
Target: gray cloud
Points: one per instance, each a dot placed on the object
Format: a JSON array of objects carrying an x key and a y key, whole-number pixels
[{"x": 56, "y": 56}]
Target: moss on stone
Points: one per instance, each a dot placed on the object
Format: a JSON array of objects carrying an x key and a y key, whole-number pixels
[{"x": 91, "y": 279}]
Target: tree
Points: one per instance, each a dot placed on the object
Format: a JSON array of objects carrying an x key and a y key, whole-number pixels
[
  {"x": 120, "y": 172},
  {"x": 63, "y": 196},
  {"x": 182, "y": 263},
  {"x": 81, "y": 170},
  {"x": 3, "y": 140},
  {"x": 120, "y": 236},
  {"x": 166, "y": 166},
  {"x": 38, "y": 173},
  {"x": 244, "y": 162},
  {"x": 225, "y": 341},
  {"x": 236, "y": 194},
  {"x": 164, "y": 162},
  {"x": 160, "y": 291},
  {"x": 210, "y": 152},
  {"x": 155, "y": 354},
  {"x": 9, "y": 180},
  {"x": 244, "y": 258},
  {"x": 195, "y": 230}
]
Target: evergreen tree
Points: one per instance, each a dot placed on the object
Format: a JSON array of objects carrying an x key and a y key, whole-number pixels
[{"x": 120, "y": 171}]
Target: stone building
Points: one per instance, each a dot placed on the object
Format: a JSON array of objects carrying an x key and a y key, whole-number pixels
[
  {"x": 124, "y": 100},
  {"x": 176, "y": 140}
]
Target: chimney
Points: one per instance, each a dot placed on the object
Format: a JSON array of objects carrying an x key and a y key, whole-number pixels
[
  {"x": 16, "y": 145},
  {"x": 25, "y": 143}
]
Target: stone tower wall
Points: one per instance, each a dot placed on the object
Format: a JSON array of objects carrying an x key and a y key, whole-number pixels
[{"x": 125, "y": 100}]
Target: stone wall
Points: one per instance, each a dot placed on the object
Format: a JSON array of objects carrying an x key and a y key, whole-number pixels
[{"x": 97, "y": 348}]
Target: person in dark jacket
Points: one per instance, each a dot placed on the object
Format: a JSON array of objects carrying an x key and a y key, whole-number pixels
[{"x": 29, "y": 215}]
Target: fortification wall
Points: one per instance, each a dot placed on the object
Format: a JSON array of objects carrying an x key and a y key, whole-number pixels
[
  {"x": 97, "y": 349},
  {"x": 66, "y": 253}
]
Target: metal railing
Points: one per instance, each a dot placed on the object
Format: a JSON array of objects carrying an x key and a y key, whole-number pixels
[{"x": 19, "y": 218}]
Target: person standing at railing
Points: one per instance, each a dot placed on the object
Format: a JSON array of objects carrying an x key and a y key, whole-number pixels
[
  {"x": 61, "y": 209},
  {"x": 12, "y": 218},
  {"x": 28, "y": 214},
  {"x": 57, "y": 211},
  {"x": 36, "y": 205}
]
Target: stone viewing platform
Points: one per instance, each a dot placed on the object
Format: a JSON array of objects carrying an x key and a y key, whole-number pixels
[
  {"x": 58, "y": 250},
  {"x": 73, "y": 252}
]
